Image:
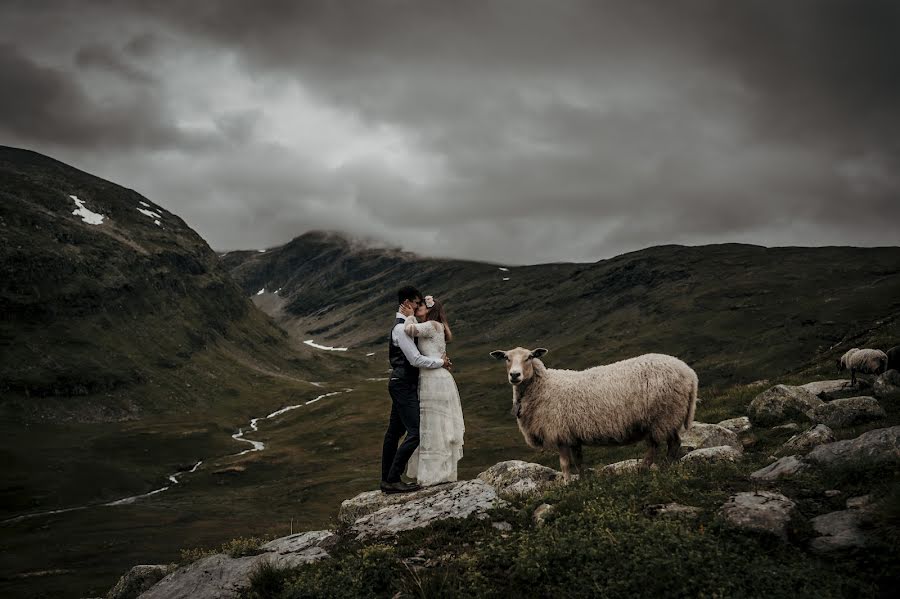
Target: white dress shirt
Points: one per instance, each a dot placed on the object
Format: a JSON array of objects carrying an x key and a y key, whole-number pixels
[{"x": 409, "y": 349}]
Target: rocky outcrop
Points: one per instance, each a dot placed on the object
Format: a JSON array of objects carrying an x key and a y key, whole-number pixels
[
  {"x": 843, "y": 530},
  {"x": 625, "y": 467},
  {"x": 851, "y": 411},
  {"x": 805, "y": 441},
  {"x": 708, "y": 455},
  {"x": 137, "y": 580},
  {"x": 737, "y": 425},
  {"x": 515, "y": 477},
  {"x": 780, "y": 404},
  {"x": 223, "y": 576},
  {"x": 785, "y": 467},
  {"x": 702, "y": 435},
  {"x": 828, "y": 389},
  {"x": 887, "y": 384},
  {"x": 876, "y": 447},
  {"x": 760, "y": 511},
  {"x": 452, "y": 500}
]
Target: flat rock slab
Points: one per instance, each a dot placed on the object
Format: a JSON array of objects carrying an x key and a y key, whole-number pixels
[
  {"x": 702, "y": 435},
  {"x": 723, "y": 453},
  {"x": 454, "y": 500},
  {"x": 760, "y": 511},
  {"x": 625, "y": 467},
  {"x": 371, "y": 501},
  {"x": 850, "y": 411},
  {"x": 827, "y": 389},
  {"x": 805, "y": 441},
  {"x": 227, "y": 577},
  {"x": 737, "y": 425},
  {"x": 785, "y": 467},
  {"x": 840, "y": 531},
  {"x": 876, "y": 447},
  {"x": 782, "y": 403},
  {"x": 516, "y": 477}
]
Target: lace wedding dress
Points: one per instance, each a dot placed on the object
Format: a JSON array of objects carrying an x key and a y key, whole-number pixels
[{"x": 441, "y": 426}]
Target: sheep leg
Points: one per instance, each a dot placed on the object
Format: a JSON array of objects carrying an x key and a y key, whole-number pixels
[
  {"x": 673, "y": 444},
  {"x": 565, "y": 462},
  {"x": 652, "y": 445},
  {"x": 578, "y": 454},
  {"x": 852, "y": 376}
]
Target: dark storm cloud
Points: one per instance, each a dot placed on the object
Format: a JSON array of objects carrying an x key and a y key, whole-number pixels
[{"x": 508, "y": 130}]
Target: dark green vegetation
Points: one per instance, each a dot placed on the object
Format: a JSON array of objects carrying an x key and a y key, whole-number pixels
[
  {"x": 129, "y": 354},
  {"x": 602, "y": 541}
]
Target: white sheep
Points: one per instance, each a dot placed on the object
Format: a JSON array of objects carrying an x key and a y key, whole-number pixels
[
  {"x": 870, "y": 361},
  {"x": 649, "y": 397}
]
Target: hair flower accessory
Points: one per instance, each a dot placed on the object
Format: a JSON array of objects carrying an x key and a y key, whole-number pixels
[{"x": 429, "y": 301}]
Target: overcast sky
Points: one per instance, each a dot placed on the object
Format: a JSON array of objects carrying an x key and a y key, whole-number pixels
[{"x": 510, "y": 131}]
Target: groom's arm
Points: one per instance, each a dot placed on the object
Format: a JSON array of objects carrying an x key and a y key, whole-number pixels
[{"x": 409, "y": 349}]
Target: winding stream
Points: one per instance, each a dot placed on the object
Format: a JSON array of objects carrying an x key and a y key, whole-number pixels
[{"x": 173, "y": 478}]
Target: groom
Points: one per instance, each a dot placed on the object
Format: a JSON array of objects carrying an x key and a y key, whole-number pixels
[{"x": 403, "y": 387}]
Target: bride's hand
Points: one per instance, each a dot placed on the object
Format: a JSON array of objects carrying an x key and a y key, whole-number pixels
[{"x": 447, "y": 363}]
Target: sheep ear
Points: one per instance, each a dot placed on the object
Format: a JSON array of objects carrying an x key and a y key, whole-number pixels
[
  {"x": 498, "y": 355},
  {"x": 539, "y": 352}
]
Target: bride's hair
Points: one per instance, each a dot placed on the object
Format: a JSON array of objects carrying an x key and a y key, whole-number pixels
[{"x": 437, "y": 314}]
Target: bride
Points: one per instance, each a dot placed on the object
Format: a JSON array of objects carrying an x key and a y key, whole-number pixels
[{"x": 441, "y": 425}]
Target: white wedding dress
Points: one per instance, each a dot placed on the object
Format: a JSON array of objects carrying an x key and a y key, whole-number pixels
[{"x": 441, "y": 426}]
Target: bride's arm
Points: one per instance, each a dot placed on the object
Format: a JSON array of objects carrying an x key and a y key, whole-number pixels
[{"x": 413, "y": 328}]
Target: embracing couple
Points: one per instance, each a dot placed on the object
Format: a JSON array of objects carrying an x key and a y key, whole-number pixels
[{"x": 424, "y": 398}]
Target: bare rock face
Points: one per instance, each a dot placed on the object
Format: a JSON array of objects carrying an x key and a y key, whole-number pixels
[
  {"x": 222, "y": 576},
  {"x": 371, "y": 501},
  {"x": 887, "y": 384},
  {"x": 702, "y": 435},
  {"x": 453, "y": 500},
  {"x": 851, "y": 411},
  {"x": 737, "y": 425},
  {"x": 879, "y": 446},
  {"x": 137, "y": 580},
  {"x": 760, "y": 511},
  {"x": 828, "y": 389},
  {"x": 785, "y": 467},
  {"x": 780, "y": 404},
  {"x": 515, "y": 477},
  {"x": 722, "y": 453},
  {"x": 805, "y": 441}
]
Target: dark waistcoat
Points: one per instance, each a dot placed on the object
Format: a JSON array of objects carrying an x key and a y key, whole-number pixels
[{"x": 400, "y": 366}]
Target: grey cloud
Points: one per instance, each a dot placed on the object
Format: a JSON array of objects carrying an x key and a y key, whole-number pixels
[{"x": 106, "y": 58}]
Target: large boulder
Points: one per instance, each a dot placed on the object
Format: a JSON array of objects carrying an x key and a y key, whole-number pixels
[
  {"x": 828, "y": 389},
  {"x": 737, "y": 425},
  {"x": 805, "y": 441},
  {"x": 760, "y": 511},
  {"x": 876, "y": 447},
  {"x": 702, "y": 435},
  {"x": 780, "y": 404},
  {"x": 369, "y": 502},
  {"x": 887, "y": 384},
  {"x": 137, "y": 580},
  {"x": 785, "y": 467},
  {"x": 841, "y": 531},
  {"x": 709, "y": 455},
  {"x": 226, "y": 577},
  {"x": 851, "y": 411},
  {"x": 515, "y": 477},
  {"x": 453, "y": 500}
]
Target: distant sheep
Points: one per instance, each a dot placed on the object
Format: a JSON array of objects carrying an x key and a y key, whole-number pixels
[
  {"x": 648, "y": 397},
  {"x": 870, "y": 361}
]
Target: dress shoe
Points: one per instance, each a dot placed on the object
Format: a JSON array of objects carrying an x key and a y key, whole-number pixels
[{"x": 398, "y": 487}]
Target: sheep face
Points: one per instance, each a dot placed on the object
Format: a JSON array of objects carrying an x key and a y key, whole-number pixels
[{"x": 518, "y": 362}]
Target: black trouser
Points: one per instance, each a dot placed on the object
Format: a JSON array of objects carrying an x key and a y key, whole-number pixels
[{"x": 404, "y": 419}]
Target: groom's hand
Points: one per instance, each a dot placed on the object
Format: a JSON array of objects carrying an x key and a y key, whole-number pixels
[{"x": 406, "y": 310}]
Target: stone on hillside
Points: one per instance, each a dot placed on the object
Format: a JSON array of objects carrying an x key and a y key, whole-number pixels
[
  {"x": 368, "y": 502},
  {"x": 805, "y": 441},
  {"x": 722, "y": 453},
  {"x": 786, "y": 466},
  {"x": 541, "y": 513},
  {"x": 860, "y": 502},
  {"x": 625, "y": 466},
  {"x": 502, "y": 526},
  {"x": 760, "y": 511},
  {"x": 887, "y": 384},
  {"x": 702, "y": 435},
  {"x": 780, "y": 404},
  {"x": 226, "y": 577},
  {"x": 137, "y": 580},
  {"x": 517, "y": 477},
  {"x": 737, "y": 425},
  {"x": 876, "y": 447},
  {"x": 851, "y": 411},
  {"x": 828, "y": 389},
  {"x": 672, "y": 509},
  {"x": 839, "y": 531},
  {"x": 452, "y": 500},
  {"x": 789, "y": 427}
]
